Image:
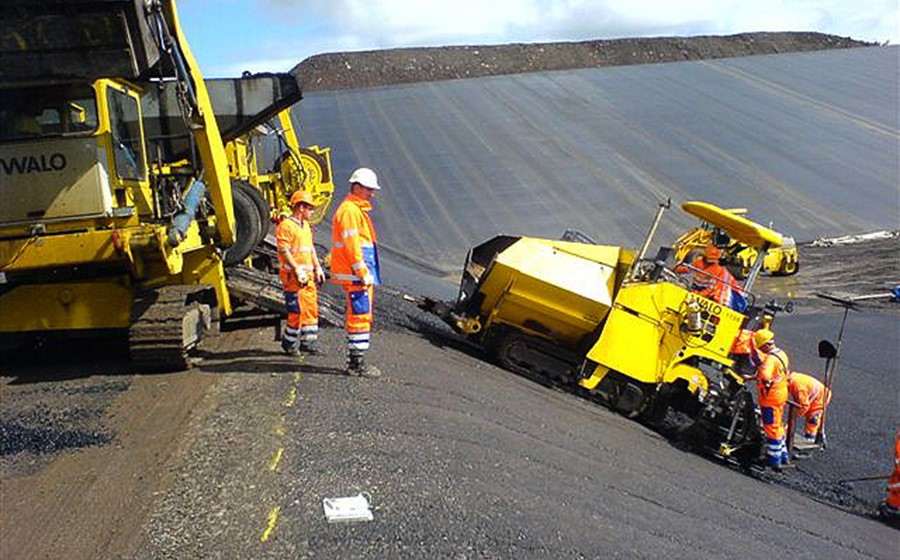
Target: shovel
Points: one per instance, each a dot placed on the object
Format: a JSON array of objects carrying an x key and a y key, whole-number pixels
[{"x": 831, "y": 354}]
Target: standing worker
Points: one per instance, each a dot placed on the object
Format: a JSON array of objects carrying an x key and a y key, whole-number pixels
[
  {"x": 890, "y": 507},
  {"x": 300, "y": 272},
  {"x": 772, "y": 385},
  {"x": 709, "y": 278},
  {"x": 811, "y": 398},
  {"x": 354, "y": 265}
]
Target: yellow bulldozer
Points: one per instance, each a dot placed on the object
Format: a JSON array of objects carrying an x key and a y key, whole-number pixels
[
  {"x": 621, "y": 328},
  {"x": 118, "y": 213},
  {"x": 738, "y": 257}
]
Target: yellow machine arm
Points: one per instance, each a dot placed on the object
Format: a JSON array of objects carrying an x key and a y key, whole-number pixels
[{"x": 209, "y": 142}]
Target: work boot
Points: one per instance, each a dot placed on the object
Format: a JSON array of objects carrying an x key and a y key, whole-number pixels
[
  {"x": 357, "y": 367},
  {"x": 805, "y": 443},
  {"x": 311, "y": 348},
  {"x": 290, "y": 349},
  {"x": 888, "y": 513}
]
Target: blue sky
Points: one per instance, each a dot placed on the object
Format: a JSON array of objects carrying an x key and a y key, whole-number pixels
[{"x": 230, "y": 36}]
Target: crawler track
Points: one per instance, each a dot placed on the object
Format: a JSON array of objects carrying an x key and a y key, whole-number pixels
[{"x": 166, "y": 324}]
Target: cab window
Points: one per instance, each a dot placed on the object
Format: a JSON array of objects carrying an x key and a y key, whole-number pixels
[
  {"x": 35, "y": 113},
  {"x": 126, "y": 135}
]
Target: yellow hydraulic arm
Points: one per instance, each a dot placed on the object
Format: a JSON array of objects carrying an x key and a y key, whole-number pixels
[{"x": 164, "y": 18}]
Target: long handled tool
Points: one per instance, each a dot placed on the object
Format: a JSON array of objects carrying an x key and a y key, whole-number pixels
[
  {"x": 831, "y": 353},
  {"x": 866, "y": 478}
]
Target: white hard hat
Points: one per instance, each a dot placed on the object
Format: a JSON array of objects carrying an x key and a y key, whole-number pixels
[{"x": 365, "y": 177}]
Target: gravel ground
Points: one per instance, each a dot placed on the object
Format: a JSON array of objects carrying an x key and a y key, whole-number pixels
[{"x": 354, "y": 70}]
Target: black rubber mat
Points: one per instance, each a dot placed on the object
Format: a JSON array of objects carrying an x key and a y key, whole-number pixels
[{"x": 806, "y": 141}]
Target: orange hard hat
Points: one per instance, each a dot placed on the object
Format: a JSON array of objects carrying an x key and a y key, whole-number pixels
[
  {"x": 712, "y": 252},
  {"x": 301, "y": 197}
]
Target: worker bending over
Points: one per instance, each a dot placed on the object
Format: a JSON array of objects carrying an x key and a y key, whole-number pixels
[
  {"x": 300, "y": 271},
  {"x": 811, "y": 397},
  {"x": 354, "y": 265},
  {"x": 772, "y": 386}
]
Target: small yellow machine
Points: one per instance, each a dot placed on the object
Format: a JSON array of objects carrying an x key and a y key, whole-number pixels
[
  {"x": 295, "y": 167},
  {"x": 621, "y": 328},
  {"x": 739, "y": 257}
]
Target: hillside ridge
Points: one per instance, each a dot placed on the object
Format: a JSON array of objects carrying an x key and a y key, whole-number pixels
[{"x": 376, "y": 68}]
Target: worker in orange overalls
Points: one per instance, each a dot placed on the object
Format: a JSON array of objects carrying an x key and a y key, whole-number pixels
[
  {"x": 890, "y": 507},
  {"x": 354, "y": 265},
  {"x": 811, "y": 398},
  {"x": 300, "y": 272},
  {"x": 747, "y": 356},
  {"x": 772, "y": 387},
  {"x": 709, "y": 278}
]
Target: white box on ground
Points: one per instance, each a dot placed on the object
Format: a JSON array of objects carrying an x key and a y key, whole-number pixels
[{"x": 351, "y": 508}]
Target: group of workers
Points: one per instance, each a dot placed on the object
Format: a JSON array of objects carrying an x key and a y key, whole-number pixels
[
  {"x": 775, "y": 381},
  {"x": 777, "y": 385},
  {"x": 354, "y": 266}
]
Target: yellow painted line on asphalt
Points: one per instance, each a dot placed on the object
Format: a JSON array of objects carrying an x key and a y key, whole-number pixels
[
  {"x": 291, "y": 398},
  {"x": 273, "y": 519},
  {"x": 280, "y": 430},
  {"x": 273, "y": 464}
]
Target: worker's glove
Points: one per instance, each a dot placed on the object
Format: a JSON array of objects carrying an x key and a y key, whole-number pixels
[
  {"x": 368, "y": 280},
  {"x": 302, "y": 278}
]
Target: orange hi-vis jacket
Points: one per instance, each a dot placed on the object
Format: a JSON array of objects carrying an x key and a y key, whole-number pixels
[
  {"x": 354, "y": 253},
  {"x": 772, "y": 378},
  {"x": 893, "y": 488},
  {"x": 712, "y": 282},
  {"x": 808, "y": 392},
  {"x": 743, "y": 345},
  {"x": 296, "y": 237}
]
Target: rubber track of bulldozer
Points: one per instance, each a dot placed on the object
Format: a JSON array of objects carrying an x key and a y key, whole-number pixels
[
  {"x": 156, "y": 338},
  {"x": 264, "y": 291}
]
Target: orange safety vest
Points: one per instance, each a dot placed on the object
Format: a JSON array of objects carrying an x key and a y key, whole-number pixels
[
  {"x": 808, "y": 392},
  {"x": 772, "y": 378},
  {"x": 295, "y": 236},
  {"x": 354, "y": 252},
  {"x": 712, "y": 282},
  {"x": 743, "y": 345}
]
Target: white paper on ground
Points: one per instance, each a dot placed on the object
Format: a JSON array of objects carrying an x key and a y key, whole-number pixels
[{"x": 352, "y": 508}]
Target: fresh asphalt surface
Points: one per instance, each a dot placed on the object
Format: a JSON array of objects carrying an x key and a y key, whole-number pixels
[{"x": 461, "y": 460}]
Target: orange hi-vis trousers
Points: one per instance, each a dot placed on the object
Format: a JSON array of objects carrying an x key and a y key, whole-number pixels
[
  {"x": 360, "y": 300},
  {"x": 302, "y": 325}
]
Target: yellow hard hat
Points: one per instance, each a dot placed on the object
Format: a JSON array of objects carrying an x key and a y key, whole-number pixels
[
  {"x": 763, "y": 337},
  {"x": 301, "y": 197}
]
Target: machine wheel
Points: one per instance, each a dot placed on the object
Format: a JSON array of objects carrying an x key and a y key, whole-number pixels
[
  {"x": 262, "y": 206},
  {"x": 247, "y": 228},
  {"x": 789, "y": 267}
]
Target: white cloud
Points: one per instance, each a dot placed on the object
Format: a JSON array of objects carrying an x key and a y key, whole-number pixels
[
  {"x": 376, "y": 24},
  {"x": 293, "y": 30}
]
